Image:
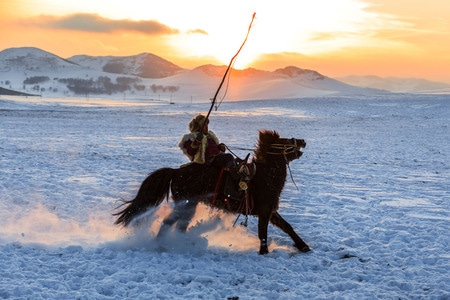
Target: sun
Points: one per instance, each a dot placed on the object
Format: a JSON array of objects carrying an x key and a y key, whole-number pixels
[
  {"x": 243, "y": 57},
  {"x": 218, "y": 45},
  {"x": 217, "y": 40}
]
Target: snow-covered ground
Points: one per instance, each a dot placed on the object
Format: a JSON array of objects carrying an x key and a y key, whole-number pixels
[{"x": 372, "y": 201}]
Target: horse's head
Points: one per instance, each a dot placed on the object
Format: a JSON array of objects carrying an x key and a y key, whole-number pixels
[{"x": 271, "y": 146}]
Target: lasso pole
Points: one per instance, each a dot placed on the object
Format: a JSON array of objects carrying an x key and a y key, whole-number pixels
[{"x": 228, "y": 69}]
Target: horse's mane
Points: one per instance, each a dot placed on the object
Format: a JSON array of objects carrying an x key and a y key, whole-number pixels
[{"x": 265, "y": 140}]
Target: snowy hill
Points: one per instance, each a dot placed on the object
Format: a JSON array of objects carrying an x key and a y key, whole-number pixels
[
  {"x": 32, "y": 59},
  {"x": 398, "y": 85},
  {"x": 147, "y": 76},
  {"x": 290, "y": 82},
  {"x": 143, "y": 65}
]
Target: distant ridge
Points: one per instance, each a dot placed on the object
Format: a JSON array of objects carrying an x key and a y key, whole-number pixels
[
  {"x": 33, "y": 71},
  {"x": 397, "y": 85}
]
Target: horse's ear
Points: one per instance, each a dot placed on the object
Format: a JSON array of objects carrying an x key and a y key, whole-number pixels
[
  {"x": 263, "y": 136},
  {"x": 260, "y": 133}
]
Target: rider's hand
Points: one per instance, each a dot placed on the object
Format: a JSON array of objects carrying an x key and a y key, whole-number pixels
[
  {"x": 199, "y": 137},
  {"x": 222, "y": 147}
]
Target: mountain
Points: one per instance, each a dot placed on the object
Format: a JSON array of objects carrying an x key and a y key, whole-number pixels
[
  {"x": 32, "y": 59},
  {"x": 143, "y": 65},
  {"x": 289, "y": 82},
  {"x": 398, "y": 85},
  {"x": 147, "y": 76},
  {"x": 313, "y": 79}
]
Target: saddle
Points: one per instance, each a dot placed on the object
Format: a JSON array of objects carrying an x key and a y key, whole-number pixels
[
  {"x": 231, "y": 188},
  {"x": 229, "y": 185}
]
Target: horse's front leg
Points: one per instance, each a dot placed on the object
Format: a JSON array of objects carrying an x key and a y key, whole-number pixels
[
  {"x": 263, "y": 224},
  {"x": 278, "y": 221}
]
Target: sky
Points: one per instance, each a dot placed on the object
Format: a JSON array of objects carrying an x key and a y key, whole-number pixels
[{"x": 386, "y": 38}]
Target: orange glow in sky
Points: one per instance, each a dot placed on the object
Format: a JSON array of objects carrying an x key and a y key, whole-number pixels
[{"x": 400, "y": 38}]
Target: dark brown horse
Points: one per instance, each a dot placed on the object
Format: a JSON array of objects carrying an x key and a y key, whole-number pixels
[{"x": 201, "y": 183}]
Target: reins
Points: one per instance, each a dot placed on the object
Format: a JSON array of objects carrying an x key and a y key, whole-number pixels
[
  {"x": 237, "y": 148},
  {"x": 292, "y": 178},
  {"x": 286, "y": 149}
]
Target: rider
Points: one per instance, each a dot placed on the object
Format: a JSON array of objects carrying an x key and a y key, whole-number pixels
[{"x": 202, "y": 146}]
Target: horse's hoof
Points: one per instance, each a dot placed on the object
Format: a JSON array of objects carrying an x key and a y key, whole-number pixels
[
  {"x": 263, "y": 251},
  {"x": 305, "y": 249}
]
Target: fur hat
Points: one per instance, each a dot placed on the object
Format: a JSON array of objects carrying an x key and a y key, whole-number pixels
[{"x": 197, "y": 122}]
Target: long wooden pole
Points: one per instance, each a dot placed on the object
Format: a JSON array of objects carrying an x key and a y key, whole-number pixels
[{"x": 228, "y": 69}]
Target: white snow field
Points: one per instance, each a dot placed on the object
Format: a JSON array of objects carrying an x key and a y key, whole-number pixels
[{"x": 373, "y": 201}]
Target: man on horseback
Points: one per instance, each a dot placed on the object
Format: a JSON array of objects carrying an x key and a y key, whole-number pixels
[
  {"x": 202, "y": 146},
  {"x": 197, "y": 182}
]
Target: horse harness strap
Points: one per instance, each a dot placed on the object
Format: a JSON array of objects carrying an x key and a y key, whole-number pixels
[
  {"x": 283, "y": 149},
  {"x": 245, "y": 208},
  {"x": 216, "y": 190}
]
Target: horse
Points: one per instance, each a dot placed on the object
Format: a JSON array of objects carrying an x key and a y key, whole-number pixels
[{"x": 196, "y": 183}]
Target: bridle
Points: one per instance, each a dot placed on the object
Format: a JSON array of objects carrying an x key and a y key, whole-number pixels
[
  {"x": 284, "y": 149},
  {"x": 277, "y": 149}
]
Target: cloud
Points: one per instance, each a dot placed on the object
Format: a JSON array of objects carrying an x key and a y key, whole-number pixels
[
  {"x": 326, "y": 36},
  {"x": 96, "y": 23},
  {"x": 197, "y": 31}
]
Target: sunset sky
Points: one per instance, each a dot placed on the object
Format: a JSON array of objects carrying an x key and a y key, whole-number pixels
[{"x": 401, "y": 38}]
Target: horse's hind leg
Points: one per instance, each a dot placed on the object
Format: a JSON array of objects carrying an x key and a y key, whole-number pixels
[
  {"x": 182, "y": 214},
  {"x": 278, "y": 221},
  {"x": 186, "y": 213}
]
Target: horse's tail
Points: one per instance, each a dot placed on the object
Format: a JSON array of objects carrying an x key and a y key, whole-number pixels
[{"x": 152, "y": 192}]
